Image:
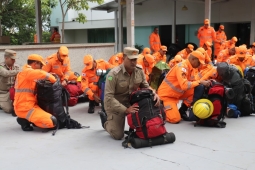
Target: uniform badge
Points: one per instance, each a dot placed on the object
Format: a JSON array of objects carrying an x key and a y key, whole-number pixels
[
  {"x": 110, "y": 78},
  {"x": 184, "y": 70},
  {"x": 83, "y": 74}
]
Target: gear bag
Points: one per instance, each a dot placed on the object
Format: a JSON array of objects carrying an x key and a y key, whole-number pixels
[
  {"x": 216, "y": 94},
  {"x": 250, "y": 75},
  {"x": 51, "y": 98}
]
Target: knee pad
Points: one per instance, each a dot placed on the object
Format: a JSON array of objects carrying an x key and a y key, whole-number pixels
[{"x": 54, "y": 120}]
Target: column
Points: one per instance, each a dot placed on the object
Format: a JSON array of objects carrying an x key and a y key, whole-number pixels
[
  {"x": 252, "y": 34},
  {"x": 130, "y": 23},
  {"x": 38, "y": 20},
  {"x": 120, "y": 26},
  {"x": 208, "y": 9},
  {"x": 116, "y": 36},
  {"x": 174, "y": 23}
]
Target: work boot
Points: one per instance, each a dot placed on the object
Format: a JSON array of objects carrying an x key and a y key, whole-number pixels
[
  {"x": 91, "y": 106},
  {"x": 103, "y": 117},
  {"x": 25, "y": 124},
  {"x": 96, "y": 104},
  {"x": 183, "y": 113},
  {"x": 14, "y": 114}
]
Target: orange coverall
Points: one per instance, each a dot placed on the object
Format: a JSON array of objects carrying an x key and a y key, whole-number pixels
[
  {"x": 250, "y": 52},
  {"x": 247, "y": 62},
  {"x": 227, "y": 45},
  {"x": 159, "y": 57},
  {"x": 155, "y": 43},
  {"x": 183, "y": 53},
  {"x": 223, "y": 56},
  {"x": 116, "y": 59},
  {"x": 220, "y": 38},
  {"x": 53, "y": 65},
  {"x": 206, "y": 34},
  {"x": 25, "y": 102},
  {"x": 89, "y": 78},
  {"x": 206, "y": 72},
  {"x": 176, "y": 86},
  {"x": 55, "y": 37},
  {"x": 147, "y": 70}
]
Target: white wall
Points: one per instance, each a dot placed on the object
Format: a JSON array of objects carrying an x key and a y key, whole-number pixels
[{"x": 76, "y": 36}]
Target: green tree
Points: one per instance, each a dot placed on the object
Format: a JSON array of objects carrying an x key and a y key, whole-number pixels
[
  {"x": 18, "y": 19},
  {"x": 76, "y": 5}
]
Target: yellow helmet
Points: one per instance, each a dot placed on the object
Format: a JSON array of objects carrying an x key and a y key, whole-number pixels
[
  {"x": 79, "y": 79},
  {"x": 203, "y": 108},
  {"x": 240, "y": 70}
]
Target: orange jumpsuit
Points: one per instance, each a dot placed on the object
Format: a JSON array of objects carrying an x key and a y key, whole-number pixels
[
  {"x": 147, "y": 70},
  {"x": 223, "y": 56},
  {"x": 155, "y": 43},
  {"x": 177, "y": 59},
  {"x": 183, "y": 53},
  {"x": 53, "y": 65},
  {"x": 250, "y": 52},
  {"x": 176, "y": 86},
  {"x": 207, "y": 72},
  {"x": 247, "y": 62},
  {"x": 90, "y": 79},
  {"x": 159, "y": 57},
  {"x": 206, "y": 34},
  {"x": 227, "y": 45},
  {"x": 25, "y": 102},
  {"x": 116, "y": 59},
  {"x": 220, "y": 38}
]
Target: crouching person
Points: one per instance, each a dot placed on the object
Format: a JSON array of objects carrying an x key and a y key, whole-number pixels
[
  {"x": 178, "y": 85},
  {"x": 121, "y": 81},
  {"x": 25, "y": 102}
]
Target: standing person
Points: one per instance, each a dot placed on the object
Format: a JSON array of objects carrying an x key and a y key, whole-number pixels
[
  {"x": 155, "y": 42},
  {"x": 25, "y": 101},
  {"x": 59, "y": 64},
  {"x": 8, "y": 72},
  {"x": 206, "y": 33},
  {"x": 55, "y": 37},
  {"x": 121, "y": 81},
  {"x": 219, "y": 40}
]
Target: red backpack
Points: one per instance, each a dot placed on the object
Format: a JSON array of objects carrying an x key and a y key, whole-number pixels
[{"x": 148, "y": 122}]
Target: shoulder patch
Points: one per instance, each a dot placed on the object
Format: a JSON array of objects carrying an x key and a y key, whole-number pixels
[
  {"x": 83, "y": 74},
  {"x": 116, "y": 70},
  {"x": 184, "y": 70}
]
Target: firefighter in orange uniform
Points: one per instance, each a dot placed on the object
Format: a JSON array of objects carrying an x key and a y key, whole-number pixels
[
  {"x": 178, "y": 86},
  {"x": 155, "y": 43},
  {"x": 147, "y": 64},
  {"x": 229, "y": 44},
  {"x": 186, "y": 51},
  {"x": 208, "y": 48},
  {"x": 25, "y": 102},
  {"x": 242, "y": 59},
  {"x": 224, "y": 55},
  {"x": 177, "y": 59},
  {"x": 206, "y": 33},
  {"x": 90, "y": 79},
  {"x": 251, "y": 51},
  {"x": 59, "y": 64},
  {"x": 116, "y": 59},
  {"x": 55, "y": 37},
  {"x": 146, "y": 50},
  {"x": 219, "y": 40},
  {"x": 160, "y": 55}
]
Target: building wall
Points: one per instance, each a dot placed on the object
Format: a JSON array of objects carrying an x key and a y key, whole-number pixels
[
  {"x": 142, "y": 35},
  {"x": 56, "y": 16}
]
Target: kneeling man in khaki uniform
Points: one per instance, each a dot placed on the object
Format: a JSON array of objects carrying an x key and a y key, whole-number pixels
[
  {"x": 8, "y": 72},
  {"x": 121, "y": 81}
]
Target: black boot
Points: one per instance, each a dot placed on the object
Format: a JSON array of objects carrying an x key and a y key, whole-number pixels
[
  {"x": 25, "y": 124},
  {"x": 183, "y": 113},
  {"x": 103, "y": 117},
  {"x": 91, "y": 106}
]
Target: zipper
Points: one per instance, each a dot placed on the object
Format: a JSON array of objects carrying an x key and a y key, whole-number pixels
[{"x": 150, "y": 107}]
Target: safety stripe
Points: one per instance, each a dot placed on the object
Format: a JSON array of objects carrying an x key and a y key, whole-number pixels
[
  {"x": 86, "y": 90},
  {"x": 29, "y": 113},
  {"x": 173, "y": 87},
  {"x": 93, "y": 78},
  {"x": 187, "y": 100},
  {"x": 168, "y": 107},
  {"x": 24, "y": 91},
  {"x": 44, "y": 126},
  {"x": 205, "y": 37},
  {"x": 67, "y": 73},
  {"x": 210, "y": 63},
  {"x": 189, "y": 85},
  {"x": 64, "y": 65},
  {"x": 199, "y": 75},
  {"x": 47, "y": 76},
  {"x": 56, "y": 67},
  {"x": 156, "y": 42}
]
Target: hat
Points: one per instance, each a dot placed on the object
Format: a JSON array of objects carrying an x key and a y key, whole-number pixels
[
  {"x": 163, "y": 48},
  {"x": 206, "y": 21},
  {"x": 146, "y": 50},
  {"x": 132, "y": 53},
  {"x": 36, "y": 57},
  {"x": 88, "y": 61},
  {"x": 191, "y": 47},
  {"x": 178, "y": 58},
  {"x": 222, "y": 27},
  {"x": 241, "y": 51},
  {"x": 150, "y": 59},
  {"x": 201, "y": 49},
  {"x": 199, "y": 56},
  {"x": 10, "y": 53},
  {"x": 72, "y": 76},
  {"x": 208, "y": 44},
  {"x": 234, "y": 39},
  {"x": 63, "y": 51}
]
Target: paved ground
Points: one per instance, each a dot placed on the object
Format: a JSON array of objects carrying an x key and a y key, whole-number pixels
[{"x": 195, "y": 148}]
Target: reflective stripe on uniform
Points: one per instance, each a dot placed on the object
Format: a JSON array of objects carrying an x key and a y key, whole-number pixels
[
  {"x": 156, "y": 42},
  {"x": 187, "y": 100},
  {"x": 29, "y": 113},
  {"x": 56, "y": 67},
  {"x": 168, "y": 107},
  {"x": 65, "y": 65},
  {"x": 86, "y": 90},
  {"x": 24, "y": 91},
  {"x": 173, "y": 87},
  {"x": 189, "y": 85},
  {"x": 67, "y": 73},
  {"x": 92, "y": 78},
  {"x": 47, "y": 76},
  {"x": 200, "y": 75}
]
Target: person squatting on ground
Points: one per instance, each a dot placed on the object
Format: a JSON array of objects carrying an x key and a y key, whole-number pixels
[
  {"x": 8, "y": 72},
  {"x": 25, "y": 101},
  {"x": 121, "y": 81},
  {"x": 178, "y": 85}
]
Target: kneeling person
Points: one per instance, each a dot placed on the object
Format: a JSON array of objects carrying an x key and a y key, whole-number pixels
[{"x": 25, "y": 102}]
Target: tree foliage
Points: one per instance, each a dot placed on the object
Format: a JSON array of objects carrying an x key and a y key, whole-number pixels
[
  {"x": 18, "y": 19},
  {"x": 76, "y": 5}
]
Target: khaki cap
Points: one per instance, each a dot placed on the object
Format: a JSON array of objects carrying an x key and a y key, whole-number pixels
[
  {"x": 132, "y": 53},
  {"x": 10, "y": 53}
]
